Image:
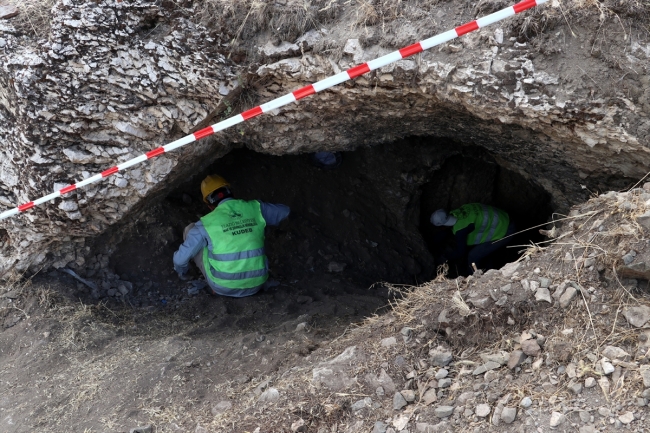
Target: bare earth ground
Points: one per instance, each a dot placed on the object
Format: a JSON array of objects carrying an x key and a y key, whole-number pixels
[{"x": 572, "y": 306}]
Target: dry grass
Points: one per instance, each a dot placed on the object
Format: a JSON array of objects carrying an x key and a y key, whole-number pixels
[{"x": 34, "y": 17}]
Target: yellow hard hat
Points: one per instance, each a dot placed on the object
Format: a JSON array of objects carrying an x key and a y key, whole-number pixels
[{"x": 212, "y": 183}]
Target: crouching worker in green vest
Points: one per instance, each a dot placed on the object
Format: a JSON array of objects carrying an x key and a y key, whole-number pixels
[
  {"x": 479, "y": 231},
  {"x": 227, "y": 244}
]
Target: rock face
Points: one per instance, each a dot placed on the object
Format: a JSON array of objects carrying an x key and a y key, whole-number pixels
[{"x": 116, "y": 79}]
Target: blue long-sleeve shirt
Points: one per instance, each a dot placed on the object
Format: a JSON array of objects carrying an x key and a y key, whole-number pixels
[{"x": 197, "y": 238}]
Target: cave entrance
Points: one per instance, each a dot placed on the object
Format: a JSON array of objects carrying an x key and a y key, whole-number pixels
[
  {"x": 351, "y": 228},
  {"x": 476, "y": 177}
]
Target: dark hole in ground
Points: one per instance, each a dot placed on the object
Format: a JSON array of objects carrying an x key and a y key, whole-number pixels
[
  {"x": 475, "y": 177},
  {"x": 351, "y": 229}
]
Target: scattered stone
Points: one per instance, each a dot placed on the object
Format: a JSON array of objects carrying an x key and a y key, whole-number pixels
[
  {"x": 440, "y": 356},
  {"x": 271, "y": 395},
  {"x": 379, "y": 427},
  {"x": 646, "y": 394},
  {"x": 584, "y": 416},
  {"x": 590, "y": 382},
  {"x": 399, "y": 401},
  {"x": 588, "y": 429},
  {"x": 531, "y": 348},
  {"x": 444, "y": 383},
  {"x": 626, "y": 418},
  {"x": 8, "y": 11},
  {"x": 508, "y": 414},
  {"x": 544, "y": 282},
  {"x": 576, "y": 388},
  {"x": 490, "y": 365},
  {"x": 567, "y": 296},
  {"x": 409, "y": 395},
  {"x": 336, "y": 267},
  {"x": 361, "y": 404},
  {"x": 556, "y": 419},
  {"x": 441, "y": 374},
  {"x": 388, "y": 342},
  {"x": 145, "y": 429},
  {"x": 509, "y": 269},
  {"x": 221, "y": 407},
  {"x": 637, "y": 316},
  {"x": 542, "y": 294},
  {"x": 382, "y": 380},
  {"x": 526, "y": 402},
  {"x": 645, "y": 374},
  {"x": 298, "y": 426},
  {"x": 482, "y": 410},
  {"x": 516, "y": 358},
  {"x": 429, "y": 397},
  {"x": 607, "y": 366},
  {"x": 506, "y": 288},
  {"x": 443, "y": 411},
  {"x": 613, "y": 352},
  {"x": 603, "y": 411}
]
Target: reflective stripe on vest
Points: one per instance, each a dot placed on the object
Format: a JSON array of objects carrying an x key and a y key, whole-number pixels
[
  {"x": 235, "y": 257},
  {"x": 490, "y": 223}
]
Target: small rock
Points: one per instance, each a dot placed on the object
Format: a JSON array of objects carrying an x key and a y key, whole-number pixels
[
  {"x": 613, "y": 352},
  {"x": 8, "y": 11},
  {"x": 380, "y": 391},
  {"x": 516, "y": 358},
  {"x": 490, "y": 365},
  {"x": 441, "y": 374},
  {"x": 588, "y": 429},
  {"x": 508, "y": 414},
  {"x": 390, "y": 341},
  {"x": 646, "y": 394},
  {"x": 585, "y": 416},
  {"x": 399, "y": 401},
  {"x": 608, "y": 368},
  {"x": 429, "y": 397},
  {"x": 444, "y": 383},
  {"x": 409, "y": 395},
  {"x": 482, "y": 410},
  {"x": 361, "y": 404},
  {"x": 567, "y": 296},
  {"x": 645, "y": 374},
  {"x": 531, "y": 348},
  {"x": 298, "y": 426},
  {"x": 626, "y": 418},
  {"x": 556, "y": 419},
  {"x": 542, "y": 294},
  {"x": 221, "y": 407},
  {"x": 145, "y": 429},
  {"x": 526, "y": 402},
  {"x": 379, "y": 427},
  {"x": 336, "y": 267},
  {"x": 637, "y": 316},
  {"x": 440, "y": 356},
  {"x": 269, "y": 396},
  {"x": 590, "y": 382},
  {"x": 603, "y": 411},
  {"x": 544, "y": 282},
  {"x": 443, "y": 411},
  {"x": 576, "y": 388},
  {"x": 111, "y": 292}
]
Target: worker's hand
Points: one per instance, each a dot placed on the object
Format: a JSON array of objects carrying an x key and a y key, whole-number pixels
[{"x": 184, "y": 276}]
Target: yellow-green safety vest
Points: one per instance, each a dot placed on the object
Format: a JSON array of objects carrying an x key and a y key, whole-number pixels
[
  {"x": 490, "y": 223},
  {"x": 235, "y": 257}
]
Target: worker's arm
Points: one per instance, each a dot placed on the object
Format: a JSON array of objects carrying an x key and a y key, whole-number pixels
[
  {"x": 274, "y": 214},
  {"x": 461, "y": 243},
  {"x": 194, "y": 243}
]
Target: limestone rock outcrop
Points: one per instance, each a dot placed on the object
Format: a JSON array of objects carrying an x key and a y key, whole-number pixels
[{"x": 116, "y": 79}]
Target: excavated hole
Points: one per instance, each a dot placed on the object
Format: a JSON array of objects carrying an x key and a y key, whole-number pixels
[{"x": 351, "y": 229}]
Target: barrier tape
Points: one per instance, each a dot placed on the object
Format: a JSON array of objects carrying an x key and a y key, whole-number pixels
[{"x": 308, "y": 90}]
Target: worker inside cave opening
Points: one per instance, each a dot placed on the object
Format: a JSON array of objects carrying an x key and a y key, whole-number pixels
[
  {"x": 479, "y": 231},
  {"x": 227, "y": 244}
]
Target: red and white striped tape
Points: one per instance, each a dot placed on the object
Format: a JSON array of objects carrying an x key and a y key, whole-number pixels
[{"x": 291, "y": 97}]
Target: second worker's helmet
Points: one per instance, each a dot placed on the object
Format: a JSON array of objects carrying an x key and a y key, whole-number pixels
[{"x": 212, "y": 183}]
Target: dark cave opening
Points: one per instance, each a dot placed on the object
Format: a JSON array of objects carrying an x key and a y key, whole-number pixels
[{"x": 475, "y": 177}]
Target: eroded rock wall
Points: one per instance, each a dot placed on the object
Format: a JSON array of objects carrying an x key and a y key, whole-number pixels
[{"x": 561, "y": 104}]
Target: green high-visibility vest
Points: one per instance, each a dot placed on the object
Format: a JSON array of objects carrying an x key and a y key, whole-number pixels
[
  {"x": 490, "y": 223},
  {"x": 235, "y": 257}
]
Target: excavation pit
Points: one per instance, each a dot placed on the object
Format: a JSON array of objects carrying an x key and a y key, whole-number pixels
[{"x": 353, "y": 232}]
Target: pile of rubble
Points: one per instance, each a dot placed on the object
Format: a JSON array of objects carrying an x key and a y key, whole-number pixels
[{"x": 559, "y": 339}]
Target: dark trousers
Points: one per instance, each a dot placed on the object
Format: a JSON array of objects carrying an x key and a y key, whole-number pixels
[{"x": 480, "y": 252}]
